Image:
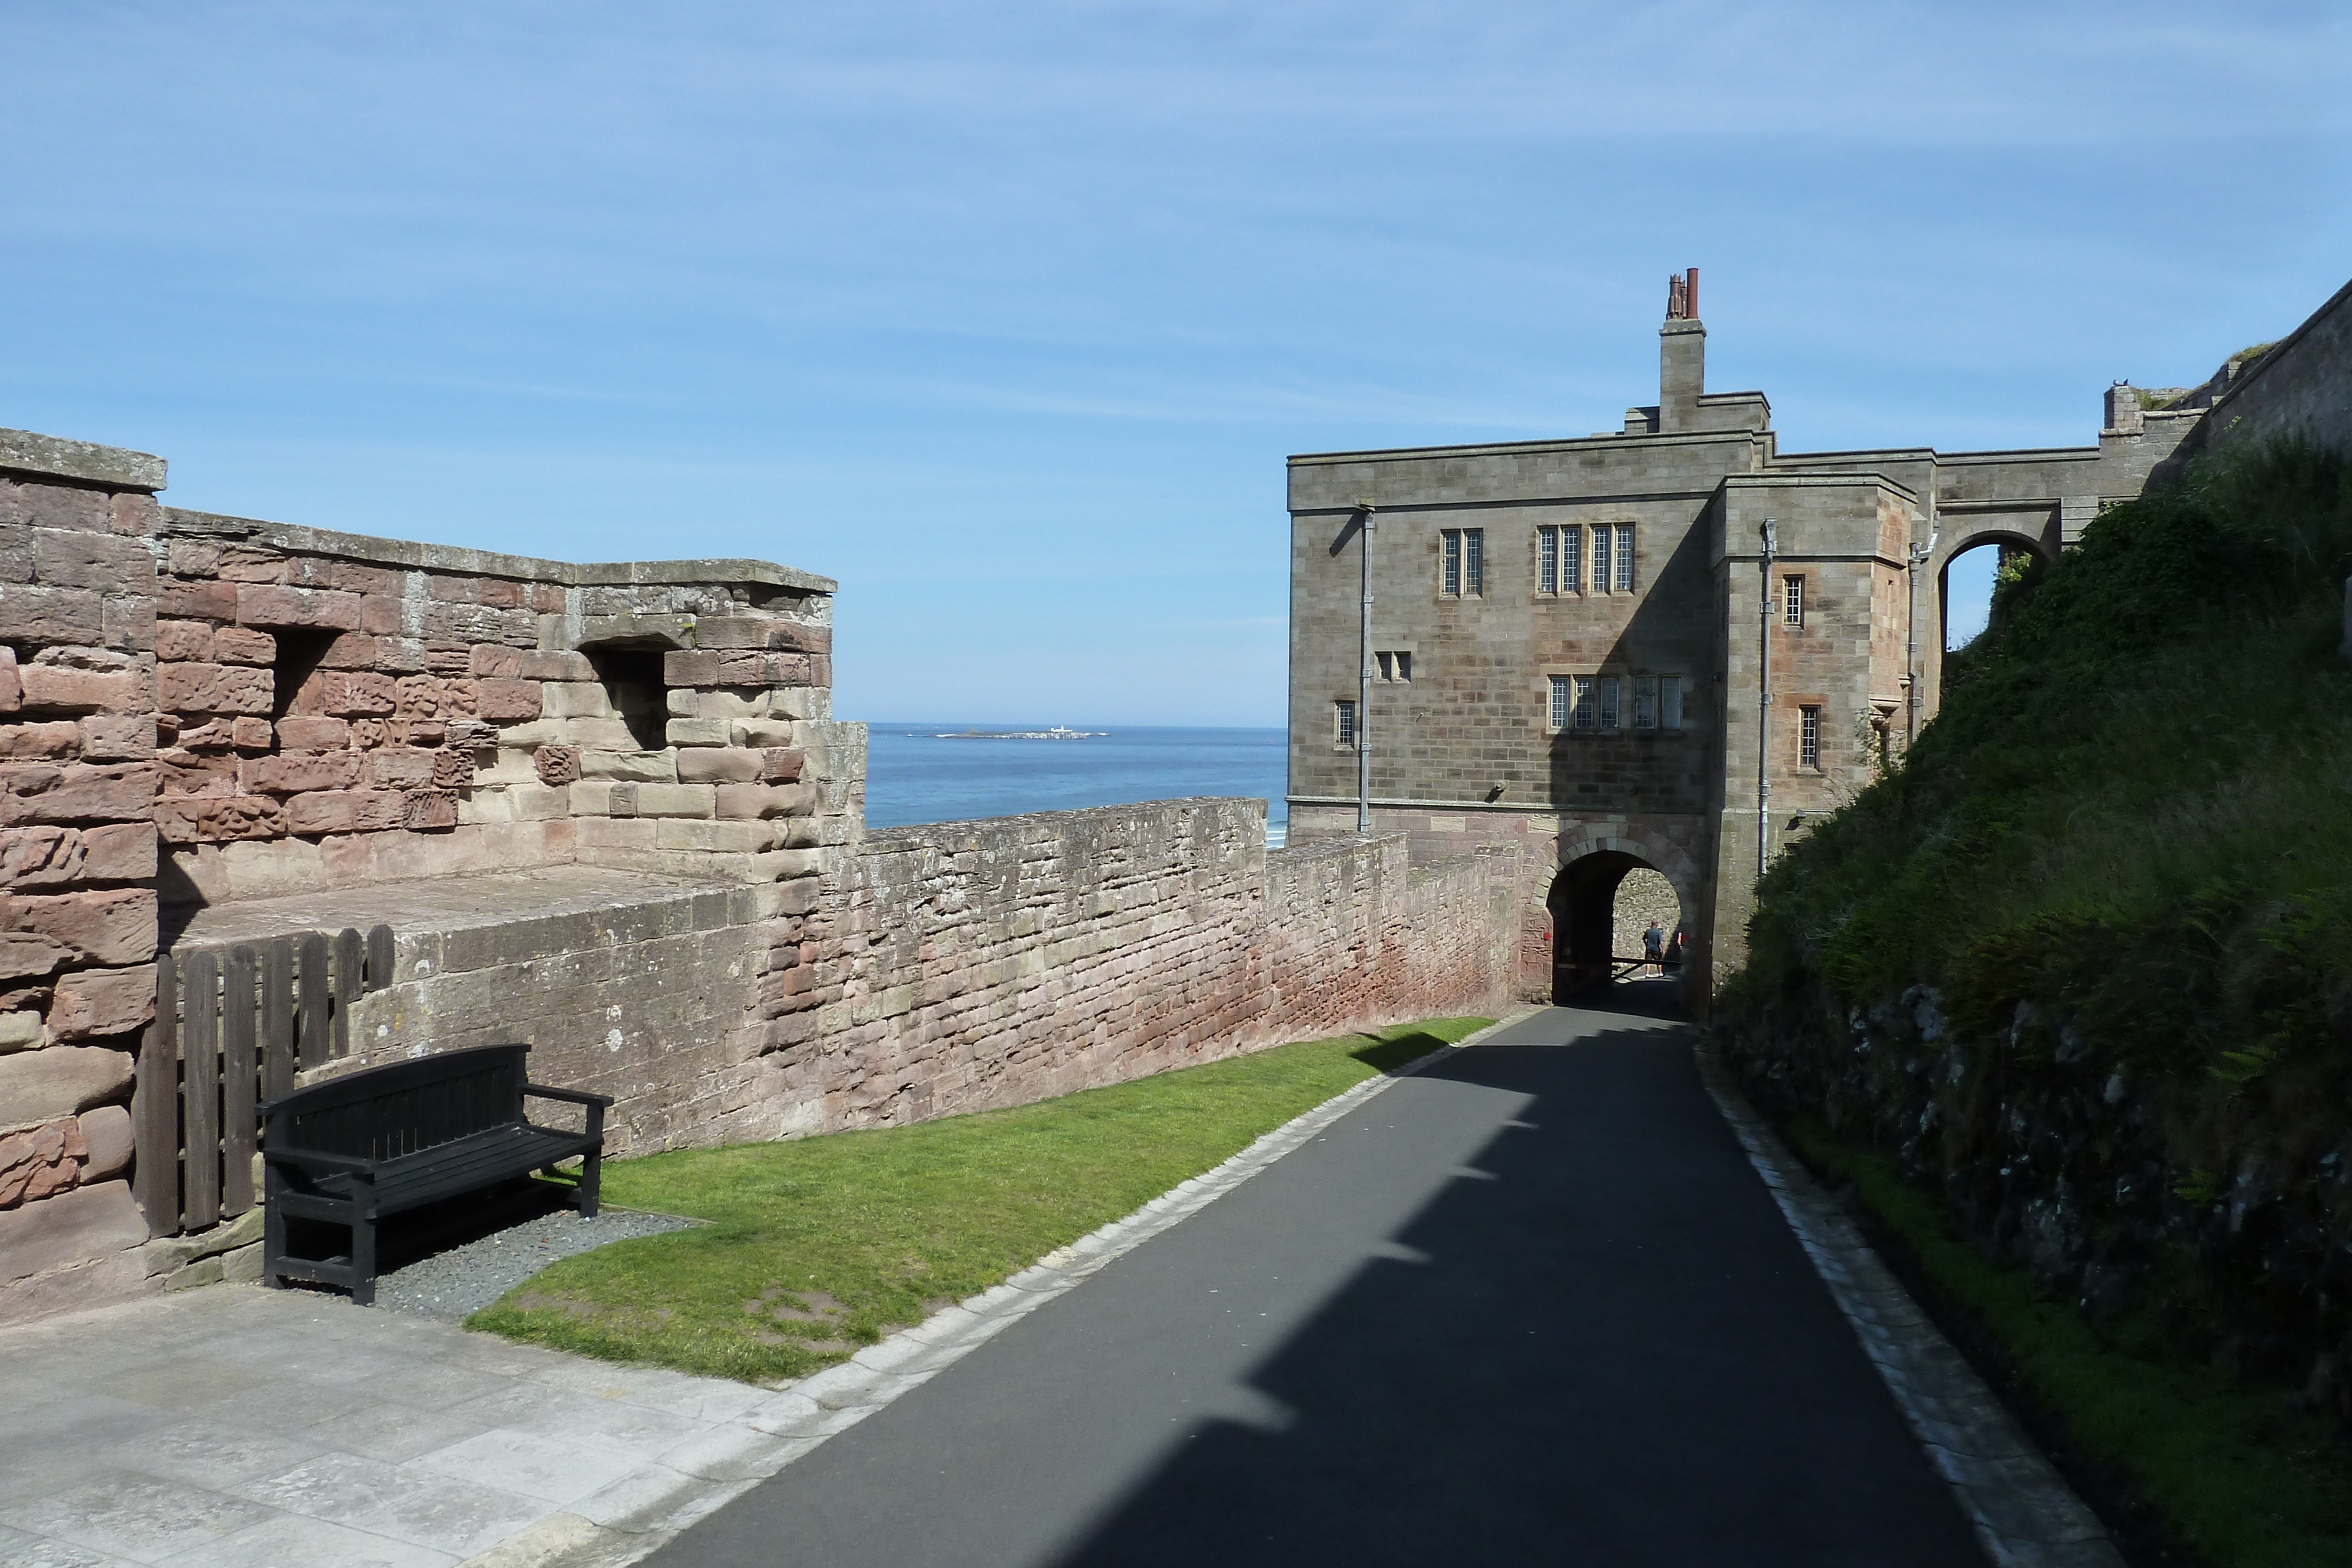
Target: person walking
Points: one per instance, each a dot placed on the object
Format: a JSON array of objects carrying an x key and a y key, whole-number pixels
[{"x": 1653, "y": 944}]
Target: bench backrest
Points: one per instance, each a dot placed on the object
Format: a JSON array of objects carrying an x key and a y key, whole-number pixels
[{"x": 384, "y": 1111}]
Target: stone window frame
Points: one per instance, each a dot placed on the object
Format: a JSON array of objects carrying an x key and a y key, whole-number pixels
[
  {"x": 1462, "y": 563},
  {"x": 1621, "y": 579},
  {"x": 1561, "y": 556},
  {"x": 1393, "y": 666},
  {"x": 1345, "y": 728},
  {"x": 1809, "y": 735},
  {"x": 1793, "y": 595},
  {"x": 1579, "y": 701}
]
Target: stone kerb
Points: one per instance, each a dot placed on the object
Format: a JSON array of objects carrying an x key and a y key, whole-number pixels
[{"x": 77, "y": 858}]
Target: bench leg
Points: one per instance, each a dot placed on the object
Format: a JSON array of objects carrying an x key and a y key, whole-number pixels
[
  {"x": 591, "y": 1173},
  {"x": 363, "y": 1258}
]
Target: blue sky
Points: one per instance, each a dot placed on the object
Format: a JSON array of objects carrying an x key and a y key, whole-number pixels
[{"x": 1006, "y": 315}]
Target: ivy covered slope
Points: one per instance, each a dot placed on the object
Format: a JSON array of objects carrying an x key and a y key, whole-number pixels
[{"x": 2083, "y": 966}]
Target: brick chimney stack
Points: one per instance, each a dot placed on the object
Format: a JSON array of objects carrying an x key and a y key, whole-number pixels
[{"x": 1682, "y": 356}]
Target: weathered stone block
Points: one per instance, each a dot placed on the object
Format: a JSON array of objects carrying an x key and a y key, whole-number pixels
[
  {"x": 213, "y": 688},
  {"x": 675, "y": 799},
  {"x": 763, "y": 733},
  {"x": 753, "y": 802},
  {"x": 712, "y": 838},
  {"x": 106, "y": 1134},
  {"x": 322, "y": 609},
  {"x": 590, "y": 798},
  {"x": 375, "y": 811},
  {"x": 782, "y": 765},
  {"x": 717, "y": 764},
  {"x": 248, "y": 732},
  {"x": 42, "y": 1085},
  {"x": 383, "y": 615},
  {"x": 310, "y": 733},
  {"x": 629, "y": 766},
  {"x": 76, "y": 558},
  {"x": 77, "y": 1226},
  {"x": 49, "y": 616},
  {"x": 75, "y": 792},
  {"x": 557, "y": 764},
  {"x": 242, "y": 645},
  {"x": 539, "y": 802},
  {"x": 183, "y": 641},
  {"x": 553, "y": 664},
  {"x": 453, "y": 769},
  {"x": 291, "y": 773},
  {"x": 429, "y": 808},
  {"x": 575, "y": 699},
  {"x": 323, "y": 811},
  {"x": 401, "y": 767},
  {"x": 205, "y": 600},
  {"x": 118, "y": 738},
  {"x": 696, "y": 731},
  {"x": 95, "y": 1002},
  {"x": 355, "y": 694},
  {"x": 491, "y": 661},
  {"x": 121, "y": 851},
  {"x": 46, "y": 741},
  {"x": 218, "y": 819},
  {"x": 56, "y": 687},
  {"x": 21, "y": 1029},
  {"x": 507, "y": 701},
  {"x": 690, "y": 667}
]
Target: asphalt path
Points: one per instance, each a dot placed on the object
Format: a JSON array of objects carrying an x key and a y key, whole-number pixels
[{"x": 1529, "y": 1306}]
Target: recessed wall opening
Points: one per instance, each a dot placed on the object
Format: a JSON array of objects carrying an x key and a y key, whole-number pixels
[
  {"x": 632, "y": 679},
  {"x": 300, "y": 654}
]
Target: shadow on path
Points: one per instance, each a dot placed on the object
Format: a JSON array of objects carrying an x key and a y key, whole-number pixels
[{"x": 1530, "y": 1306}]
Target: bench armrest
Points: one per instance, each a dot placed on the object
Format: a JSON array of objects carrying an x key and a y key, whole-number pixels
[
  {"x": 577, "y": 1096},
  {"x": 314, "y": 1159},
  {"x": 595, "y": 1103}
]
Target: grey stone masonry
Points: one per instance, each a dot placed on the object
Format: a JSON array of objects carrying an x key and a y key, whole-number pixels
[{"x": 1572, "y": 645}]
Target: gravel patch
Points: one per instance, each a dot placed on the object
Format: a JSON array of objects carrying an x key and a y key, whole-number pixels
[{"x": 467, "y": 1279}]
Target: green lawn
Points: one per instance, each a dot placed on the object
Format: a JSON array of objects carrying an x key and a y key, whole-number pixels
[
  {"x": 818, "y": 1246},
  {"x": 2232, "y": 1471}
]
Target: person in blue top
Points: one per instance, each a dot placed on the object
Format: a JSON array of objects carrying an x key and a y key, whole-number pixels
[{"x": 1653, "y": 947}]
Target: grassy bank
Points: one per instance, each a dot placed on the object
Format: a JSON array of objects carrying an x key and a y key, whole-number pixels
[
  {"x": 2077, "y": 975},
  {"x": 817, "y": 1246},
  {"x": 2176, "y": 1452}
]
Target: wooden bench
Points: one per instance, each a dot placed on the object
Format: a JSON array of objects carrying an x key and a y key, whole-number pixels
[{"x": 354, "y": 1149}]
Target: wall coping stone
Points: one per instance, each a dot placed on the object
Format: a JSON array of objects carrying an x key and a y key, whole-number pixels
[
  {"x": 458, "y": 560},
  {"x": 116, "y": 467}
]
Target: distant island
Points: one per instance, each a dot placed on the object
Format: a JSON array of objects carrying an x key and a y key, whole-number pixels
[{"x": 1056, "y": 733}]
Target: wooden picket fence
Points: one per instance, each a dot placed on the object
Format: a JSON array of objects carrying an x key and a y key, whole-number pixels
[{"x": 231, "y": 1030}]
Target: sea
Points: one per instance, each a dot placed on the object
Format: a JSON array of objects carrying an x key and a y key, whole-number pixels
[{"x": 934, "y": 773}]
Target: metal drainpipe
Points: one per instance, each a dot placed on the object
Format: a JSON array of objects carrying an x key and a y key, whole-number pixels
[
  {"x": 1920, "y": 556},
  {"x": 1764, "y": 701},
  {"x": 1364, "y": 684}
]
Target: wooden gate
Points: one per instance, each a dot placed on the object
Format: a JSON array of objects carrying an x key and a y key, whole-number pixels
[{"x": 232, "y": 1029}]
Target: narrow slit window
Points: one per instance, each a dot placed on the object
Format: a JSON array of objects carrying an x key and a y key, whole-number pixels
[
  {"x": 1808, "y": 737},
  {"x": 1383, "y": 661},
  {"x": 1601, "y": 558},
  {"x": 1450, "y": 576},
  {"x": 1404, "y": 667},
  {"x": 1609, "y": 713},
  {"x": 1792, "y": 600},
  {"x": 1584, "y": 702},
  {"x": 1344, "y": 716},
  {"x": 1624, "y": 563},
  {"x": 1645, "y": 701},
  {"x": 1474, "y": 562},
  {"x": 1670, "y": 701},
  {"x": 1548, "y": 560},
  {"x": 1571, "y": 559},
  {"x": 1563, "y": 701}
]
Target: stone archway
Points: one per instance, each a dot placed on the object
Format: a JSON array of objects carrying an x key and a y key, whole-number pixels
[{"x": 1581, "y": 904}]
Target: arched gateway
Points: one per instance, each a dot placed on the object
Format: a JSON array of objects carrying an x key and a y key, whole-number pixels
[{"x": 1582, "y": 903}]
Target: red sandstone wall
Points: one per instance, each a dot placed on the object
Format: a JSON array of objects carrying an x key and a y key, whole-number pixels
[
  {"x": 77, "y": 912},
  {"x": 975, "y": 965}
]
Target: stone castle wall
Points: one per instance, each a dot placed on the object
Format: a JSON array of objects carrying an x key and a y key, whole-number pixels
[
  {"x": 984, "y": 964},
  {"x": 77, "y": 858}
]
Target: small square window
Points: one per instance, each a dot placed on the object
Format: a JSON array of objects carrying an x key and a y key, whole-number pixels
[
  {"x": 1403, "y": 666},
  {"x": 1344, "y": 718},
  {"x": 1382, "y": 662}
]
